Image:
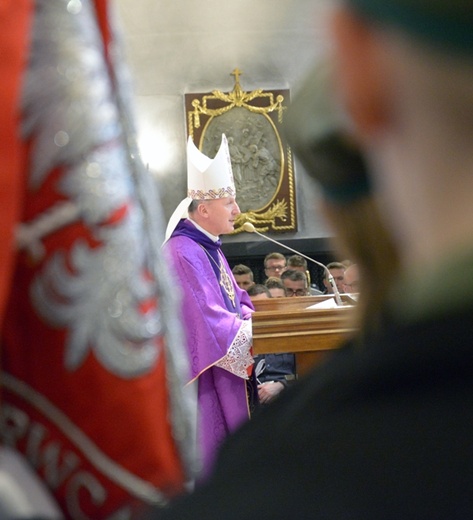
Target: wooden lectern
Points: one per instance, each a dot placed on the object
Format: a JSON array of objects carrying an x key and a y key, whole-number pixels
[{"x": 286, "y": 325}]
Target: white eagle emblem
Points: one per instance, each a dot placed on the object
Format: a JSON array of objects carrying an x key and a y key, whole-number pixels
[{"x": 98, "y": 289}]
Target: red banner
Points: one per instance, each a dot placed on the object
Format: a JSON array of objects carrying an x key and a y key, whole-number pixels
[{"x": 92, "y": 394}]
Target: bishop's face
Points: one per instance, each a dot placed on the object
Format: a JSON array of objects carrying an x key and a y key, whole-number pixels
[{"x": 221, "y": 215}]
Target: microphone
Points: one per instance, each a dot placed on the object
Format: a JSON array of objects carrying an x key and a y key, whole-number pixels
[{"x": 249, "y": 228}]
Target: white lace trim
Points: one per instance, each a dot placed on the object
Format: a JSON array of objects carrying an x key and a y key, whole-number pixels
[{"x": 238, "y": 357}]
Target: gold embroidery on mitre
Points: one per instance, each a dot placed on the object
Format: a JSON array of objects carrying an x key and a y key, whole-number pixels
[{"x": 212, "y": 194}]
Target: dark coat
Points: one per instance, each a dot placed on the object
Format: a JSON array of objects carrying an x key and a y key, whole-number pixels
[{"x": 385, "y": 432}]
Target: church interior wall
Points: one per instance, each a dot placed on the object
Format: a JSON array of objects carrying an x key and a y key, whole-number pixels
[{"x": 180, "y": 47}]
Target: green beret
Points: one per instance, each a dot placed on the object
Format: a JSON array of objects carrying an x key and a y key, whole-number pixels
[{"x": 445, "y": 23}]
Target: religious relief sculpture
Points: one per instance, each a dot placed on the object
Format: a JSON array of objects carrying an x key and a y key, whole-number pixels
[{"x": 261, "y": 162}]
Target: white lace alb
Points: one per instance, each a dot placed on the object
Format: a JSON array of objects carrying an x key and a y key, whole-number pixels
[{"x": 238, "y": 357}]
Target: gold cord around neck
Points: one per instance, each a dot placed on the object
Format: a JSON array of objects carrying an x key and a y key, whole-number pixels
[{"x": 225, "y": 280}]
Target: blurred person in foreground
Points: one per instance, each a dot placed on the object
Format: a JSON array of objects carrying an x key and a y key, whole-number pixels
[{"x": 384, "y": 430}]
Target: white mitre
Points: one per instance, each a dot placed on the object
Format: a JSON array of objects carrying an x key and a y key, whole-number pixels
[{"x": 207, "y": 179}]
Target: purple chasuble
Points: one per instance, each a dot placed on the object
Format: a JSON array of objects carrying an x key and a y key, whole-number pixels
[{"x": 211, "y": 323}]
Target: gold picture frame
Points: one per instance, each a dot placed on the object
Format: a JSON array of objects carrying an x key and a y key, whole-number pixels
[{"x": 262, "y": 163}]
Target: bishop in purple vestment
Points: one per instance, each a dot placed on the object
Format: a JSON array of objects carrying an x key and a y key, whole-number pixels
[{"x": 215, "y": 312}]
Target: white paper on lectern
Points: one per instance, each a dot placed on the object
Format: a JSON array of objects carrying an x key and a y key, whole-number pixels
[{"x": 329, "y": 303}]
